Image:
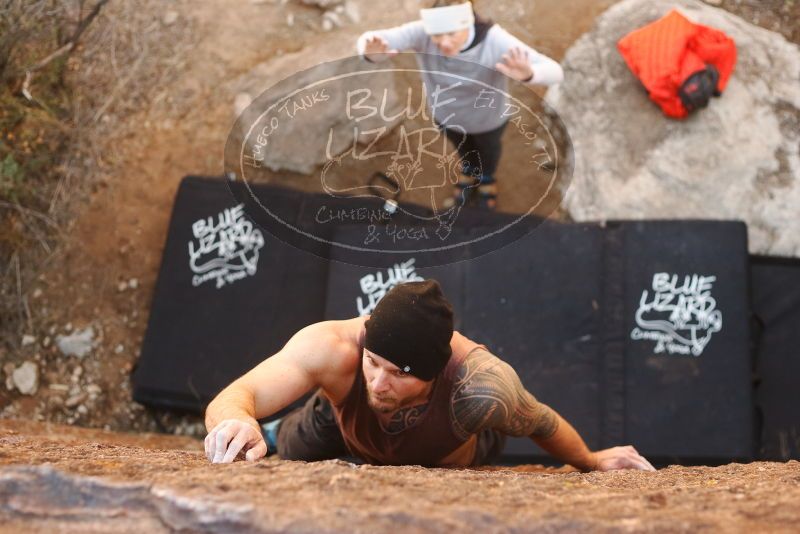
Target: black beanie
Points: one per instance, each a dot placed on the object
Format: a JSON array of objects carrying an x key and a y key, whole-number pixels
[{"x": 411, "y": 327}]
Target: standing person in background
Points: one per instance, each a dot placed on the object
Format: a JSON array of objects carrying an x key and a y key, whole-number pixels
[{"x": 489, "y": 55}]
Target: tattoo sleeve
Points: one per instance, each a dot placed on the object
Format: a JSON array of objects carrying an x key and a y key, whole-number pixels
[{"x": 489, "y": 394}]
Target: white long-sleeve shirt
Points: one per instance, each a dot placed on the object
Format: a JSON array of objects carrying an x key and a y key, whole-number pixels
[{"x": 471, "y": 90}]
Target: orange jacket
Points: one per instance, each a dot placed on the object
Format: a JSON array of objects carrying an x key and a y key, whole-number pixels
[{"x": 666, "y": 52}]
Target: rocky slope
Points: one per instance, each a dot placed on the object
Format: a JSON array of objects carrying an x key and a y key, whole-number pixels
[{"x": 92, "y": 481}]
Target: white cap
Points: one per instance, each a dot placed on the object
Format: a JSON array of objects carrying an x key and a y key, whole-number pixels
[{"x": 447, "y": 19}]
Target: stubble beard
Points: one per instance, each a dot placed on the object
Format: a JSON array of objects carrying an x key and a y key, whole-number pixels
[{"x": 382, "y": 405}]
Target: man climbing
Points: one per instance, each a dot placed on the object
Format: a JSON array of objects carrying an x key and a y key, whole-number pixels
[{"x": 399, "y": 387}]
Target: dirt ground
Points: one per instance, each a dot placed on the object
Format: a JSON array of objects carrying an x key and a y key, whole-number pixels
[
  {"x": 95, "y": 482},
  {"x": 103, "y": 273}
]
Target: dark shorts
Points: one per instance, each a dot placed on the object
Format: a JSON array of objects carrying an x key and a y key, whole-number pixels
[
  {"x": 311, "y": 433},
  {"x": 479, "y": 152}
]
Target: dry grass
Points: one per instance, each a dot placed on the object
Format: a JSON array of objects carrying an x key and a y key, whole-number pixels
[{"x": 65, "y": 104}]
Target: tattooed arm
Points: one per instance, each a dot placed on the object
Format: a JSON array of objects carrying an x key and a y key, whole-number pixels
[{"x": 488, "y": 394}]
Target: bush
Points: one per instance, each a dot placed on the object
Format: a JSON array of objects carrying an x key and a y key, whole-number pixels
[{"x": 35, "y": 40}]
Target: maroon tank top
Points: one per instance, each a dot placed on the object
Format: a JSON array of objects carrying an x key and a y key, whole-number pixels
[{"x": 427, "y": 441}]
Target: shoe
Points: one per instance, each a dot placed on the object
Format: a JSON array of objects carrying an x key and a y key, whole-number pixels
[
  {"x": 270, "y": 432},
  {"x": 487, "y": 192},
  {"x": 462, "y": 192}
]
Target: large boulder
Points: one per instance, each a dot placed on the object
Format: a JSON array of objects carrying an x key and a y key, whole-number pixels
[
  {"x": 309, "y": 115},
  {"x": 308, "y": 110},
  {"x": 736, "y": 159}
]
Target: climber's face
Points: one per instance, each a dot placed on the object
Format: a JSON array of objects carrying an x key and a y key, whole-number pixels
[{"x": 450, "y": 44}]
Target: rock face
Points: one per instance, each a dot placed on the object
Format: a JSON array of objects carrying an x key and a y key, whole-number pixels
[
  {"x": 87, "y": 484},
  {"x": 308, "y": 115},
  {"x": 308, "y": 110},
  {"x": 736, "y": 159}
]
